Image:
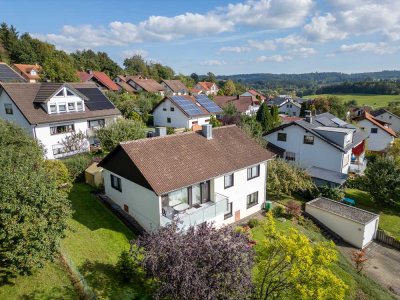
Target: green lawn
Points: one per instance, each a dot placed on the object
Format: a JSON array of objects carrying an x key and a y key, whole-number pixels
[
  {"x": 389, "y": 219},
  {"x": 359, "y": 286},
  {"x": 94, "y": 242},
  {"x": 51, "y": 282},
  {"x": 364, "y": 99}
]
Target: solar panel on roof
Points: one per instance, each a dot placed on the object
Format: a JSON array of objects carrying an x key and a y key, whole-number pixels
[
  {"x": 209, "y": 105},
  {"x": 339, "y": 121},
  {"x": 97, "y": 100},
  {"x": 325, "y": 121},
  {"x": 8, "y": 75},
  {"x": 188, "y": 106}
]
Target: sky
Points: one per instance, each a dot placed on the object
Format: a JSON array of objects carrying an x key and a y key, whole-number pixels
[{"x": 224, "y": 37}]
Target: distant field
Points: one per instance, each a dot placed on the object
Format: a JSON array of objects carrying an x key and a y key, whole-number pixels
[{"x": 364, "y": 99}]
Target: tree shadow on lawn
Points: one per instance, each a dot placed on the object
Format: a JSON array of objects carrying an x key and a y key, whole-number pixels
[
  {"x": 103, "y": 280},
  {"x": 54, "y": 293},
  {"x": 90, "y": 212}
]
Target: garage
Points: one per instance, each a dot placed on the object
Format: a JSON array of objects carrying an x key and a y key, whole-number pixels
[{"x": 354, "y": 225}]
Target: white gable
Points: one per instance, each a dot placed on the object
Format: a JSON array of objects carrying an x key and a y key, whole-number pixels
[{"x": 65, "y": 101}]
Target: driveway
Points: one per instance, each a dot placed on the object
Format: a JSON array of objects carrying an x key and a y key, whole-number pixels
[{"x": 383, "y": 264}]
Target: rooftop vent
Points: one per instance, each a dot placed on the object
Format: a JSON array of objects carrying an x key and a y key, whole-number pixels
[
  {"x": 206, "y": 130},
  {"x": 308, "y": 116}
]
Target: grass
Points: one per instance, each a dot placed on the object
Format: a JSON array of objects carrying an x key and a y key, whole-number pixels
[
  {"x": 359, "y": 286},
  {"x": 51, "y": 282},
  {"x": 389, "y": 219},
  {"x": 94, "y": 242},
  {"x": 373, "y": 100}
]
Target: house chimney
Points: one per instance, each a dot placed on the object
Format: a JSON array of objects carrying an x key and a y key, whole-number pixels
[
  {"x": 206, "y": 131},
  {"x": 161, "y": 131},
  {"x": 308, "y": 116}
]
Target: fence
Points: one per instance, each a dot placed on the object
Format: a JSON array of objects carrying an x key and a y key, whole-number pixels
[
  {"x": 381, "y": 236},
  {"x": 78, "y": 279}
]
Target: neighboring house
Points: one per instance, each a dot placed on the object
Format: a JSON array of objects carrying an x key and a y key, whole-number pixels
[
  {"x": 214, "y": 175},
  {"x": 243, "y": 104},
  {"x": 8, "y": 74},
  {"x": 100, "y": 78},
  {"x": 286, "y": 105},
  {"x": 174, "y": 87},
  {"x": 52, "y": 111},
  {"x": 121, "y": 81},
  {"x": 355, "y": 226},
  {"x": 257, "y": 97},
  {"x": 381, "y": 136},
  {"x": 184, "y": 111},
  {"x": 326, "y": 146},
  {"x": 29, "y": 72},
  {"x": 147, "y": 85},
  {"x": 387, "y": 117},
  {"x": 208, "y": 88}
]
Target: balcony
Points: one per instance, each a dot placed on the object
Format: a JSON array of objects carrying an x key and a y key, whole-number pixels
[
  {"x": 196, "y": 214},
  {"x": 90, "y": 132},
  {"x": 358, "y": 167}
]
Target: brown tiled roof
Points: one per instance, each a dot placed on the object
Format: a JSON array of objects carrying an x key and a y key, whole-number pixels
[
  {"x": 255, "y": 93},
  {"x": 175, "y": 161},
  {"x": 24, "y": 95},
  {"x": 242, "y": 103},
  {"x": 125, "y": 78},
  {"x": 175, "y": 85},
  {"x": 377, "y": 122},
  {"x": 206, "y": 85},
  {"x": 126, "y": 87},
  {"x": 26, "y": 69},
  {"x": 101, "y": 77},
  {"x": 148, "y": 84}
]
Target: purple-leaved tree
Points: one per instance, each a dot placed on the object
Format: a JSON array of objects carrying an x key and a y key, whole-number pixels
[{"x": 199, "y": 263}]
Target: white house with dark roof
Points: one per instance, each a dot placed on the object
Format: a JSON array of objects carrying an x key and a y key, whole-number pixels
[
  {"x": 214, "y": 175},
  {"x": 287, "y": 105},
  {"x": 387, "y": 117},
  {"x": 184, "y": 111},
  {"x": 52, "y": 111},
  {"x": 324, "y": 145}
]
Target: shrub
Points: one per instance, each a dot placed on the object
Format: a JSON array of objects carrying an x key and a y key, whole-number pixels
[
  {"x": 356, "y": 182},
  {"x": 253, "y": 223},
  {"x": 331, "y": 193},
  {"x": 57, "y": 170},
  {"x": 127, "y": 267},
  {"x": 308, "y": 224},
  {"x": 278, "y": 211},
  {"x": 170, "y": 130},
  {"x": 76, "y": 166},
  {"x": 293, "y": 209}
]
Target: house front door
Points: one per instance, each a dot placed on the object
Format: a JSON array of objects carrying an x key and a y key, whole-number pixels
[{"x": 237, "y": 215}]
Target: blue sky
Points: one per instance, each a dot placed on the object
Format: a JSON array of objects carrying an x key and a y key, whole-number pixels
[{"x": 225, "y": 37}]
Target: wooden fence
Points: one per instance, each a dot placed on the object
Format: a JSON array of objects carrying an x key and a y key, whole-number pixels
[{"x": 382, "y": 237}]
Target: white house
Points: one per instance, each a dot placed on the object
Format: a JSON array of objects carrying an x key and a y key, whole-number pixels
[
  {"x": 148, "y": 85},
  {"x": 216, "y": 175},
  {"x": 324, "y": 145},
  {"x": 52, "y": 111},
  {"x": 381, "y": 136},
  {"x": 207, "y": 88},
  {"x": 387, "y": 117},
  {"x": 174, "y": 87},
  {"x": 257, "y": 97},
  {"x": 287, "y": 105},
  {"x": 355, "y": 226},
  {"x": 243, "y": 104},
  {"x": 29, "y": 72},
  {"x": 184, "y": 111}
]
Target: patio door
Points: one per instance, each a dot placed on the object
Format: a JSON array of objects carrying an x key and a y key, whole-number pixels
[{"x": 205, "y": 191}]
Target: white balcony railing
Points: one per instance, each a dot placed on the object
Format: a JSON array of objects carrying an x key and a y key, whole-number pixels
[{"x": 358, "y": 167}]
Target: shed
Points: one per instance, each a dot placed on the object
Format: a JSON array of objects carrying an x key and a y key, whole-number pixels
[
  {"x": 354, "y": 225},
  {"x": 94, "y": 175}
]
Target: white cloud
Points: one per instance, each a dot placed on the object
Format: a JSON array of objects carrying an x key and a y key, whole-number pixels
[
  {"x": 323, "y": 28},
  {"x": 130, "y": 53},
  {"x": 273, "y": 58},
  {"x": 303, "y": 51},
  {"x": 213, "y": 62},
  {"x": 377, "y": 48},
  {"x": 262, "y": 45},
  {"x": 234, "y": 49}
]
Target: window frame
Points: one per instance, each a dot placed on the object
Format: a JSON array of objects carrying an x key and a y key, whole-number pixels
[
  {"x": 250, "y": 174},
  {"x": 8, "y": 107},
  {"x": 68, "y": 128},
  {"x": 117, "y": 187},
  {"x": 73, "y": 106},
  {"x": 169, "y": 120},
  {"x": 375, "y": 130},
  {"x": 250, "y": 203},
  {"x": 282, "y": 133},
  {"x": 172, "y": 108},
  {"x": 308, "y": 143},
  {"x": 229, "y": 214},
  {"x": 232, "y": 181},
  {"x": 79, "y": 106},
  {"x": 59, "y": 107},
  {"x": 55, "y": 108}
]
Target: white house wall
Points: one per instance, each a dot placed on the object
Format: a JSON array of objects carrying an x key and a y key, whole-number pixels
[
  {"x": 321, "y": 154},
  {"x": 388, "y": 118},
  {"x": 376, "y": 141},
  {"x": 290, "y": 111},
  {"x": 17, "y": 117},
  {"x": 144, "y": 205},
  {"x": 350, "y": 231}
]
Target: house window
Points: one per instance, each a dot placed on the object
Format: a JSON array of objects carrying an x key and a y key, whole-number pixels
[
  {"x": 168, "y": 120},
  {"x": 58, "y": 150},
  {"x": 69, "y": 93},
  {"x": 207, "y": 121},
  {"x": 116, "y": 183},
  {"x": 164, "y": 109},
  {"x": 172, "y": 108},
  {"x": 62, "y": 129},
  {"x": 252, "y": 200},
  {"x": 228, "y": 181},
  {"x": 53, "y": 108},
  {"x": 60, "y": 93},
  {"x": 79, "y": 105},
  {"x": 253, "y": 172},
  {"x": 282, "y": 136},
  {"x": 195, "y": 122},
  {"x": 9, "y": 109},
  {"x": 96, "y": 123},
  {"x": 229, "y": 211},
  {"x": 126, "y": 208},
  {"x": 374, "y": 130},
  {"x": 291, "y": 156},
  {"x": 62, "y": 107},
  {"x": 71, "y": 106},
  {"x": 308, "y": 139}
]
